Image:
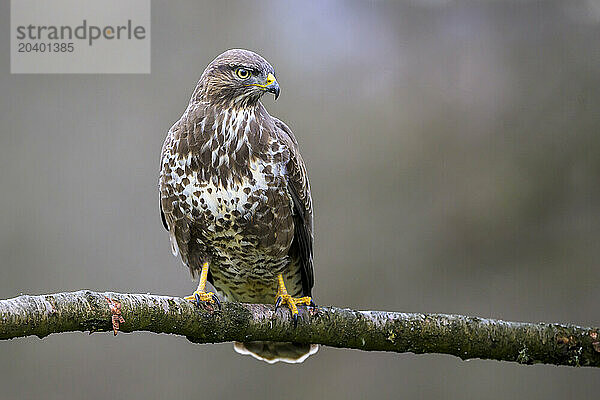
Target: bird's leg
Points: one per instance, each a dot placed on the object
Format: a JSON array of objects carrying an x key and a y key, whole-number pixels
[
  {"x": 284, "y": 298},
  {"x": 200, "y": 294}
]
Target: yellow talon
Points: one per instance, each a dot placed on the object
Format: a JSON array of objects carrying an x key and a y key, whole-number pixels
[
  {"x": 200, "y": 294},
  {"x": 284, "y": 298}
]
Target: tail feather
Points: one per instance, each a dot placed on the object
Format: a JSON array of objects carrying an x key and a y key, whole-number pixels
[{"x": 273, "y": 352}]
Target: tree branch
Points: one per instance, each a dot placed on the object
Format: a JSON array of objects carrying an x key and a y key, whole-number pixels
[{"x": 461, "y": 336}]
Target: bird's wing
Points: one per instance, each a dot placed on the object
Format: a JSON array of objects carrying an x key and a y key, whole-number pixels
[
  {"x": 164, "y": 178},
  {"x": 162, "y": 214},
  {"x": 181, "y": 138},
  {"x": 173, "y": 218},
  {"x": 299, "y": 189}
]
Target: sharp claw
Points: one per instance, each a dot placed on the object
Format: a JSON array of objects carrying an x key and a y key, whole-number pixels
[
  {"x": 295, "y": 317},
  {"x": 312, "y": 303},
  {"x": 277, "y": 303},
  {"x": 216, "y": 299},
  {"x": 197, "y": 297}
]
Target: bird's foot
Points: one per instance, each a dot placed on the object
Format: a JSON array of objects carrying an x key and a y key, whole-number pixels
[
  {"x": 201, "y": 296},
  {"x": 292, "y": 303}
]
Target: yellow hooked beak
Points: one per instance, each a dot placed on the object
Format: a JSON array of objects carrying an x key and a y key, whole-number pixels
[{"x": 270, "y": 85}]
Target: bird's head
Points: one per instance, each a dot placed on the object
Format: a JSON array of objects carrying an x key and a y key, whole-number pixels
[{"x": 238, "y": 78}]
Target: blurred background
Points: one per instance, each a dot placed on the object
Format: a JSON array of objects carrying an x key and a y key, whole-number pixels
[{"x": 454, "y": 155}]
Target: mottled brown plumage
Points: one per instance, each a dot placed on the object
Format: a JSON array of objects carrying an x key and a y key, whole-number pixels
[{"x": 234, "y": 191}]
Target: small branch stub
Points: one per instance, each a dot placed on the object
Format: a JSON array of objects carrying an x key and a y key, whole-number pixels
[
  {"x": 117, "y": 318},
  {"x": 462, "y": 336}
]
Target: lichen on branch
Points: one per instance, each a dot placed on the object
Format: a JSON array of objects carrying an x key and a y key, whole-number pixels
[{"x": 462, "y": 336}]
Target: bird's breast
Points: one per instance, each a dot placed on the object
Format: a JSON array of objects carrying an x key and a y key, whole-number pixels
[
  {"x": 229, "y": 182},
  {"x": 229, "y": 204}
]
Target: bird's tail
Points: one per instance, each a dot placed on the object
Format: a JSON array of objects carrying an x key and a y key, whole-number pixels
[{"x": 273, "y": 352}]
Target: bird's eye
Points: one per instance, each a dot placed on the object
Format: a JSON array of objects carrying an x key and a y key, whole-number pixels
[{"x": 243, "y": 73}]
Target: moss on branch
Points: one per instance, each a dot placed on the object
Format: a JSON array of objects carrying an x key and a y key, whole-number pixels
[{"x": 461, "y": 336}]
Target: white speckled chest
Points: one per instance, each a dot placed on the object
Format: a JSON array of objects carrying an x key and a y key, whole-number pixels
[{"x": 240, "y": 223}]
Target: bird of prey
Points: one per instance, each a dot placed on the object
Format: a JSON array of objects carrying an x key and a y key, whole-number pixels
[{"x": 235, "y": 197}]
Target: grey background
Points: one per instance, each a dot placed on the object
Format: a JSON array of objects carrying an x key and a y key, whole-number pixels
[{"x": 453, "y": 151}]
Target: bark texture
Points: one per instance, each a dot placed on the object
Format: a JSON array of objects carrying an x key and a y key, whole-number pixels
[{"x": 462, "y": 336}]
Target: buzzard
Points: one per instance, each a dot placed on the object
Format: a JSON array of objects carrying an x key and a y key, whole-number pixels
[{"x": 235, "y": 197}]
